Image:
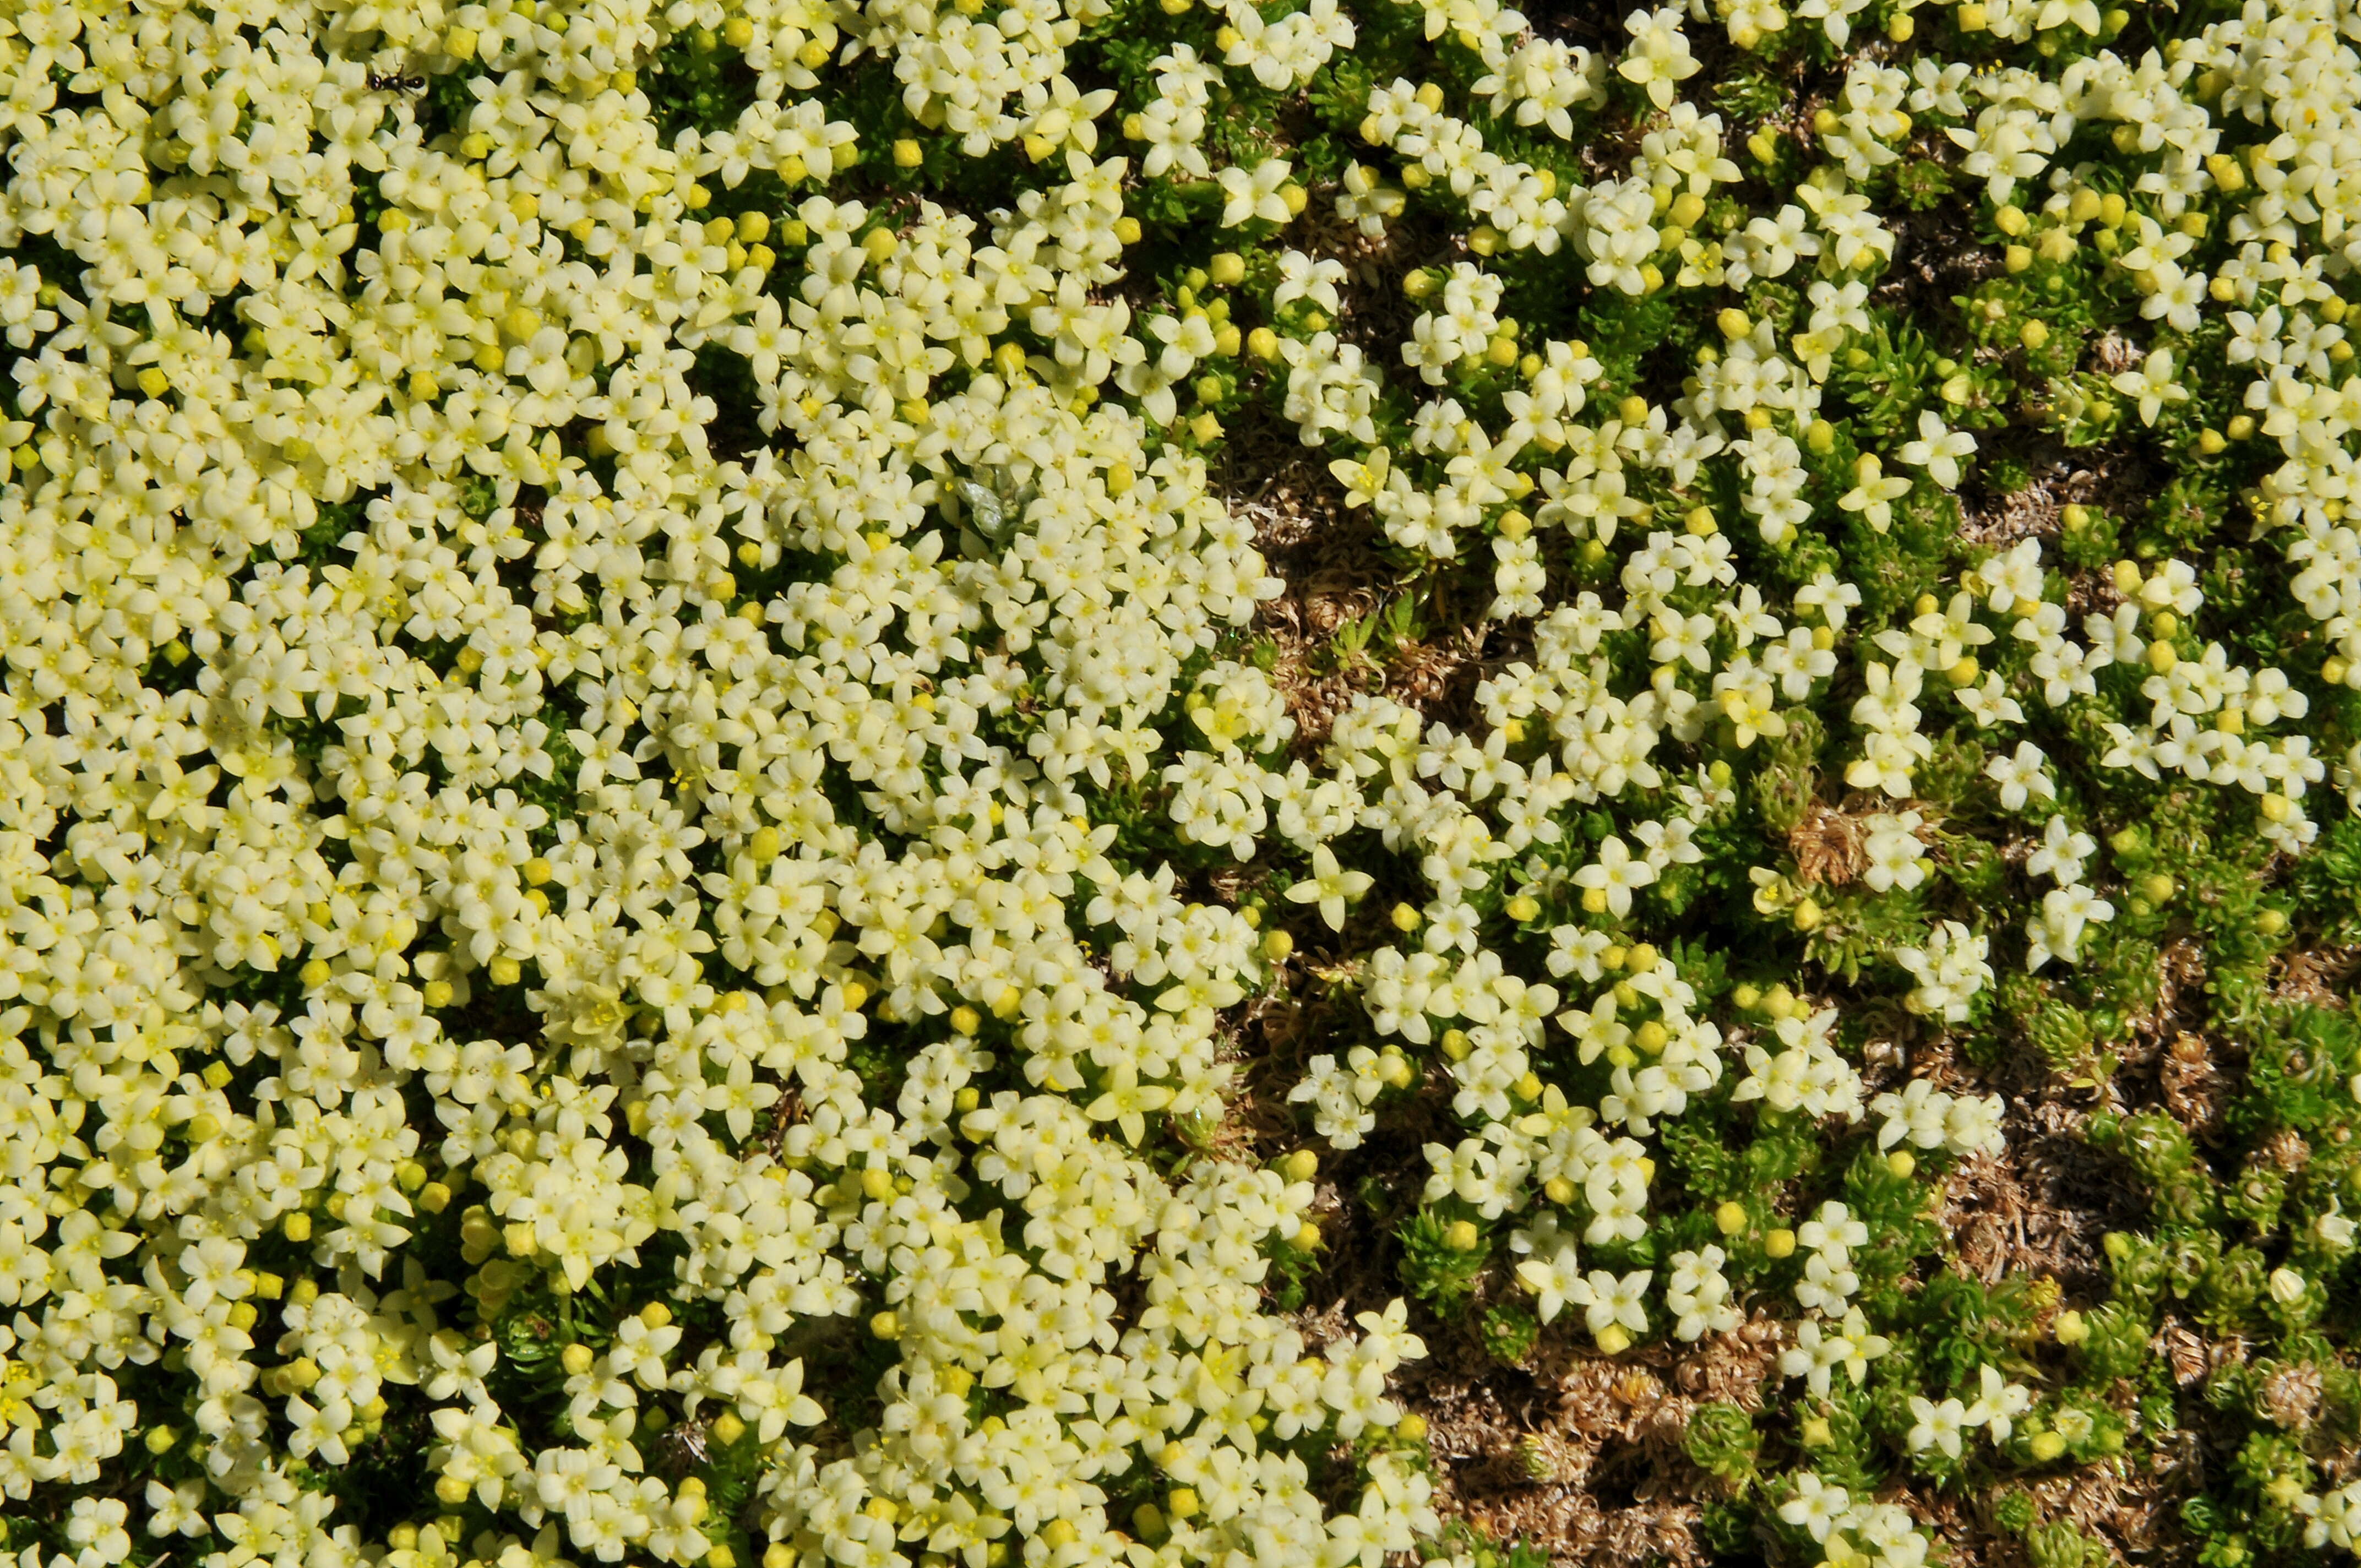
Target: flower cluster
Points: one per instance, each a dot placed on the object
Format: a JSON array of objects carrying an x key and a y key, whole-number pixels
[{"x": 657, "y": 782}]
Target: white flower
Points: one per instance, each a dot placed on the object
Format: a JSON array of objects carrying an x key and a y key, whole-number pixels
[
  {"x": 1990, "y": 704},
  {"x": 1659, "y": 55},
  {"x": 1620, "y": 1303},
  {"x": 1949, "y": 969},
  {"x": 2021, "y": 776},
  {"x": 1816, "y": 1508},
  {"x": 1873, "y": 492},
  {"x": 2153, "y": 385},
  {"x": 2057, "y": 931},
  {"x": 2061, "y": 853},
  {"x": 1936, "y": 1426},
  {"x": 1331, "y": 887},
  {"x": 1614, "y": 875},
  {"x": 1301, "y": 278},
  {"x": 1998, "y": 1404},
  {"x": 1557, "y": 1281},
  {"x": 1366, "y": 200},
  {"x": 1895, "y": 850},
  {"x": 1698, "y": 1295},
  {"x": 1937, "y": 449},
  {"x": 1255, "y": 192}
]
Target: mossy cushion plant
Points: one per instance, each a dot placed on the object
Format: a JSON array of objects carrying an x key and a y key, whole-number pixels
[{"x": 899, "y": 782}]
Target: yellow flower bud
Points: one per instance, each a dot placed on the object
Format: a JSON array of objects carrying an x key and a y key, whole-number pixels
[
  {"x": 1730, "y": 1218},
  {"x": 1779, "y": 1243}
]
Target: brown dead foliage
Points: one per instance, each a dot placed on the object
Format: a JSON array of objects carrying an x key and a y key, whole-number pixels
[
  {"x": 2116, "y": 482},
  {"x": 2116, "y": 1501},
  {"x": 2319, "y": 976},
  {"x": 1828, "y": 846},
  {"x": 1329, "y": 559},
  {"x": 1583, "y": 1455},
  {"x": 2192, "y": 1090}
]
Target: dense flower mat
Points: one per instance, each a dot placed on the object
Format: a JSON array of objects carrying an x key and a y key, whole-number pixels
[{"x": 658, "y": 814}]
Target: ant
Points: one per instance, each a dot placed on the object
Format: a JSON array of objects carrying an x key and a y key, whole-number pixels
[{"x": 396, "y": 83}]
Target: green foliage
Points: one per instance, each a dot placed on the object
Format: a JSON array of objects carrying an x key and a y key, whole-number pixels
[
  {"x": 1722, "y": 1440},
  {"x": 1439, "y": 1274},
  {"x": 2060, "y": 1545},
  {"x": 1508, "y": 1330},
  {"x": 2061, "y": 1033}
]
